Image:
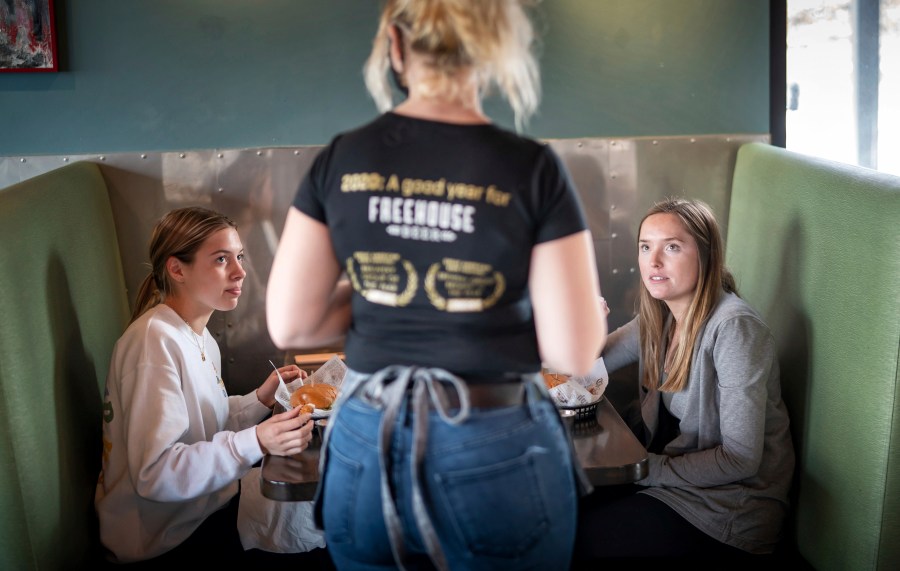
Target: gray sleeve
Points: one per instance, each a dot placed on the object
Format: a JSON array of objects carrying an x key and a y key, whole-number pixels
[
  {"x": 622, "y": 346},
  {"x": 744, "y": 356}
]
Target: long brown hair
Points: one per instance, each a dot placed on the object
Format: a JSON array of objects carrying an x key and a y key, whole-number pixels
[
  {"x": 179, "y": 233},
  {"x": 495, "y": 39},
  {"x": 698, "y": 220}
]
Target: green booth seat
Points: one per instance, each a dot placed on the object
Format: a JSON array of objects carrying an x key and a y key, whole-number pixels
[
  {"x": 63, "y": 304},
  {"x": 815, "y": 247}
]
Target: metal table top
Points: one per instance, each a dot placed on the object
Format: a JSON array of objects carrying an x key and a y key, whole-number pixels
[{"x": 606, "y": 447}]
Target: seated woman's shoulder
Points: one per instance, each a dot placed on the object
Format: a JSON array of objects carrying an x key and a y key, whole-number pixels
[{"x": 731, "y": 306}]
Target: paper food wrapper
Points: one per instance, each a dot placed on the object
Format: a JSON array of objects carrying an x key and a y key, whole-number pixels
[
  {"x": 332, "y": 373},
  {"x": 582, "y": 391}
]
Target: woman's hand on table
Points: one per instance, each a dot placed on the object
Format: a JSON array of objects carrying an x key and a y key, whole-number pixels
[
  {"x": 286, "y": 433},
  {"x": 266, "y": 391}
]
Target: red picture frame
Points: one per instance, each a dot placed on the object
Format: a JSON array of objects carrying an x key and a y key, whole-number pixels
[{"x": 27, "y": 36}]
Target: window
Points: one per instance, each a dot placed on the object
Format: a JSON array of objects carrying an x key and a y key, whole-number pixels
[{"x": 843, "y": 81}]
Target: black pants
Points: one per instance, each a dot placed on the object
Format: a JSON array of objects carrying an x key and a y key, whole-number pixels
[{"x": 616, "y": 524}]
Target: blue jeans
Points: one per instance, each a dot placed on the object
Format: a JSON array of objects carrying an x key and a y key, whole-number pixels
[{"x": 498, "y": 488}]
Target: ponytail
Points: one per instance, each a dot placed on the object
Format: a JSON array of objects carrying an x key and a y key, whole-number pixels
[
  {"x": 179, "y": 234},
  {"x": 148, "y": 296}
]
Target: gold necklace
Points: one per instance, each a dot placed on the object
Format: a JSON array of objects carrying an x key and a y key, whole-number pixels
[{"x": 200, "y": 347}]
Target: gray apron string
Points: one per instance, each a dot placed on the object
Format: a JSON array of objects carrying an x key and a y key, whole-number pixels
[
  {"x": 390, "y": 387},
  {"x": 429, "y": 380},
  {"x": 427, "y": 388},
  {"x": 392, "y": 396}
]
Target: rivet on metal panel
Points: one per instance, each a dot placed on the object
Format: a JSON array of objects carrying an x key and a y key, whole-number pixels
[
  {"x": 655, "y": 142},
  {"x": 613, "y": 235},
  {"x": 23, "y": 160},
  {"x": 296, "y": 153},
  {"x": 102, "y": 158},
  {"x": 221, "y": 155},
  {"x": 631, "y": 270},
  {"x": 181, "y": 155},
  {"x": 220, "y": 189},
  {"x": 693, "y": 140},
  {"x": 143, "y": 156},
  {"x": 258, "y": 153},
  {"x": 65, "y": 159},
  {"x": 612, "y": 206},
  {"x": 580, "y": 145},
  {"x": 615, "y": 270}
]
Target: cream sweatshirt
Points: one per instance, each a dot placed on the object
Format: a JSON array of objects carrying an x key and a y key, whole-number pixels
[{"x": 174, "y": 443}]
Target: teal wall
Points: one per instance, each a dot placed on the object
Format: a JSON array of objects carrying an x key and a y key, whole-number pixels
[{"x": 158, "y": 75}]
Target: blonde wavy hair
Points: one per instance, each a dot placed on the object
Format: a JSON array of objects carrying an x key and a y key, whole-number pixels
[
  {"x": 493, "y": 38},
  {"x": 714, "y": 278}
]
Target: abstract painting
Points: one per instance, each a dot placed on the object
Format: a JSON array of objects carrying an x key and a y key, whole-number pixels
[{"x": 27, "y": 36}]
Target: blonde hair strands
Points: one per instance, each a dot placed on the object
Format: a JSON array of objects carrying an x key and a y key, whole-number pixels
[{"x": 492, "y": 38}]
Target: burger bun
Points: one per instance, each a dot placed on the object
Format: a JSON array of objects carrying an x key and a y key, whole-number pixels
[{"x": 320, "y": 395}]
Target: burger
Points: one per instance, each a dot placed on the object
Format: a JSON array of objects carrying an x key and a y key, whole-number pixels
[{"x": 320, "y": 395}]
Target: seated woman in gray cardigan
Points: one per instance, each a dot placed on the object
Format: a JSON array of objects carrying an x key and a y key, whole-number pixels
[{"x": 721, "y": 458}]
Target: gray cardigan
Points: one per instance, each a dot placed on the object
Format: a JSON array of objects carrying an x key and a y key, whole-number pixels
[{"x": 729, "y": 470}]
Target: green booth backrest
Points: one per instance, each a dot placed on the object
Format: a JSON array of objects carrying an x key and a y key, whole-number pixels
[
  {"x": 815, "y": 246},
  {"x": 63, "y": 304}
]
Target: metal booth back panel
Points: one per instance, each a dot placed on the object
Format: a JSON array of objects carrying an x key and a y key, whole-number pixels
[{"x": 617, "y": 180}]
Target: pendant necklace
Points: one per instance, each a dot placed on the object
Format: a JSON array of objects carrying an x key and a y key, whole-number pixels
[{"x": 201, "y": 344}]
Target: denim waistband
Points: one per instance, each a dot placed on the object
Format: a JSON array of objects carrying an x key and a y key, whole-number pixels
[
  {"x": 426, "y": 389},
  {"x": 423, "y": 390}
]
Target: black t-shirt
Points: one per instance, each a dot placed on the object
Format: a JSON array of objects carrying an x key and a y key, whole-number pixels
[{"x": 434, "y": 224}]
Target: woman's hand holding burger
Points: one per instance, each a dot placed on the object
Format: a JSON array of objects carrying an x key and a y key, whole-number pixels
[{"x": 286, "y": 433}]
